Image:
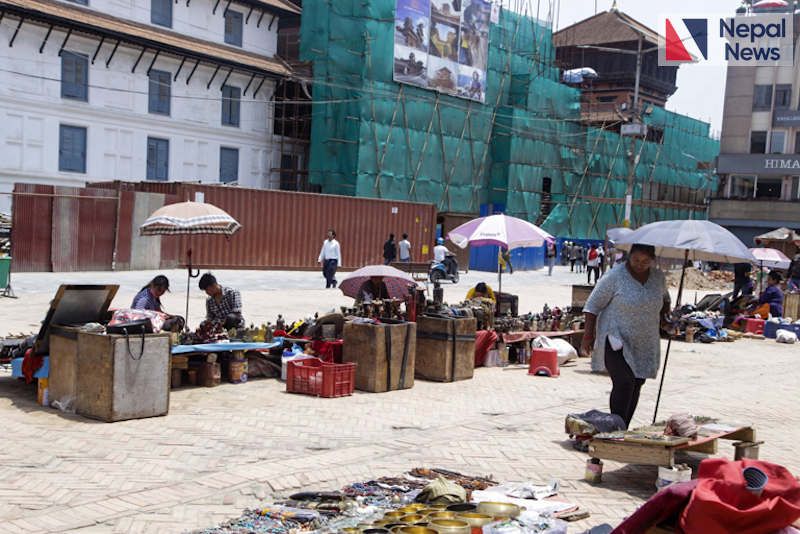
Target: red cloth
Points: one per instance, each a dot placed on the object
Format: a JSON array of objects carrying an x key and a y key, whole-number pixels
[
  {"x": 30, "y": 364},
  {"x": 666, "y": 503},
  {"x": 330, "y": 351},
  {"x": 722, "y": 504},
  {"x": 484, "y": 341},
  {"x": 592, "y": 254}
]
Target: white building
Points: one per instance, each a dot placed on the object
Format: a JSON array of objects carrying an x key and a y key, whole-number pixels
[{"x": 134, "y": 90}]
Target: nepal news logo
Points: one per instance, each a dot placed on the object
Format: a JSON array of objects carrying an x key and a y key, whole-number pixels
[{"x": 721, "y": 40}]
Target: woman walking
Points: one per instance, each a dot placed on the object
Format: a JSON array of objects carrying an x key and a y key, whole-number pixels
[{"x": 623, "y": 315}]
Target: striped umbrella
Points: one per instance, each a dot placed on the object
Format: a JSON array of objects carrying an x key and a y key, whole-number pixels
[
  {"x": 190, "y": 218},
  {"x": 396, "y": 281}
]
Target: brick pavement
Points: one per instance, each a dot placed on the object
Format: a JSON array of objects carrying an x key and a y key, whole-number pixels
[{"x": 223, "y": 449}]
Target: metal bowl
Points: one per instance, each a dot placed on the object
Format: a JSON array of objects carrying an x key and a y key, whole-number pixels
[
  {"x": 416, "y": 506},
  {"x": 426, "y": 511},
  {"x": 410, "y": 509},
  {"x": 393, "y": 516},
  {"x": 396, "y": 524},
  {"x": 462, "y": 507},
  {"x": 396, "y": 528},
  {"x": 364, "y": 526},
  {"x": 416, "y": 530},
  {"x": 382, "y": 523},
  {"x": 498, "y": 509},
  {"x": 441, "y": 514},
  {"x": 411, "y": 518},
  {"x": 450, "y": 526},
  {"x": 376, "y": 531},
  {"x": 350, "y": 530},
  {"x": 474, "y": 520}
]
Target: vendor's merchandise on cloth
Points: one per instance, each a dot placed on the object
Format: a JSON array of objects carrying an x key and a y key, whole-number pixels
[{"x": 391, "y": 502}]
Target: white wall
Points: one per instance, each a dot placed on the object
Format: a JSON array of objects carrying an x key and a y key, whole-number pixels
[{"x": 116, "y": 115}]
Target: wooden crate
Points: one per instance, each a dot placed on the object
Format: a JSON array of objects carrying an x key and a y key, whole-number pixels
[
  {"x": 379, "y": 352},
  {"x": 791, "y": 305},
  {"x": 580, "y": 294},
  {"x": 445, "y": 348},
  {"x": 113, "y": 386},
  {"x": 63, "y": 362}
]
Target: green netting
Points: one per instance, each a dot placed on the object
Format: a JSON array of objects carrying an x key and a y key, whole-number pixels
[{"x": 525, "y": 147}]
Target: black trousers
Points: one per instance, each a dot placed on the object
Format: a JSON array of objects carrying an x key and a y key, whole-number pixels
[
  {"x": 590, "y": 270},
  {"x": 571, "y": 265},
  {"x": 625, "y": 386}
]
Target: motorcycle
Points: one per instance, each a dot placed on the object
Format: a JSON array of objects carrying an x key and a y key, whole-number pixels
[{"x": 439, "y": 272}]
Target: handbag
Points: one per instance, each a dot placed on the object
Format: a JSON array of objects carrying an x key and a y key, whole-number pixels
[{"x": 141, "y": 326}]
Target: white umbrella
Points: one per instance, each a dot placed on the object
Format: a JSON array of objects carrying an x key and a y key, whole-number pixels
[
  {"x": 687, "y": 240},
  {"x": 190, "y": 218},
  {"x": 502, "y": 230}
]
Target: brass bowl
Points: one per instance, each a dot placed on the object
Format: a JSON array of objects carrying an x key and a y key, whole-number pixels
[
  {"x": 462, "y": 507},
  {"x": 350, "y": 530},
  {"x": 475, "y": 520},
  {"x": 376, "y": 531},
  {"x": 410, "y": 509},
  {"x": 416, "y": 530},
  {"x": 390, "y": 526},
  {"x": 396, "y": 529},
  {"x": 364, "y": 526},
  {"x": 416, "y": 506},
  {"x": 411, "y": 518},
  {"x": 395, "y": 515},
  {"x": 498, "y": 509},
  {"x": 442, "y": 514},
  {"x": 450, "y": 526},
  {"x": 426, "y": 511},
  {"x": 420, "y": 524},
  {"x": 382, "y": 523}
]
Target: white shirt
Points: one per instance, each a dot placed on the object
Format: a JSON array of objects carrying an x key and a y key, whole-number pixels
[
  {"x": 330, "y": 251},
  {"x": 405, "y": 248},
  {"x": 440, "y": 252}
]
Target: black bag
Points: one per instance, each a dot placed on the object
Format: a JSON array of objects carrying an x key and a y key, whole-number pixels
[{"x": 142, "y": 326}]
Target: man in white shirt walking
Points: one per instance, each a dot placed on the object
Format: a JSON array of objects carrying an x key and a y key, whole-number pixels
[
  {"x": 404, "y": 249},
  {"x": 331, "y": 258}
]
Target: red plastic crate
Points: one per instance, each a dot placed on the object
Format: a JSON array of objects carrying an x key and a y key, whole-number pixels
[
  {"x": 314, "y": 377},
  {"x": 755, "y": 326}
]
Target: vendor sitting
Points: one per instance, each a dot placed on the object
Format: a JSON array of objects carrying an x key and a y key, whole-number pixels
[
  {"x": 372, "y": 289},
  {"x": 481, "y": 291},
  {"x": 149, "y": 298},
  {"x": 223, "y": 304},
  {"x": 769, "y": 303}
]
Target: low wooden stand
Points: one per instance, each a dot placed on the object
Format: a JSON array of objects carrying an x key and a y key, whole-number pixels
[{"x": 659, "y": 454}]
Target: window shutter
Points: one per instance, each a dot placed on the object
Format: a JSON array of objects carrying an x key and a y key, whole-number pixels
[
  {"x": 237, "y": 29},
  {"x": 226, "y": 105},
  {"x": 81, "y": 76},
  {"x": 68, "y": 75},
  {"x": 152, "y": 104},
  {"x": 228, "y": 164},
  {"x": 151, "y": 159},
  {"x": 234, "y": 104},
  {"x": 162, "y": 168},
  {"x": 166, "y": 88},
  {"x": 79, "y": 149}
]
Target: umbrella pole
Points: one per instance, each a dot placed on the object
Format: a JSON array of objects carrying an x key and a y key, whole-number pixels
[
  {"x": 188, "y": 286},
  {"x": 669, "y": 343}
]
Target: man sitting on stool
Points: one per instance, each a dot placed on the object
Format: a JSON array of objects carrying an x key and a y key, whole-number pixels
[{"x": 223, "y": 304}]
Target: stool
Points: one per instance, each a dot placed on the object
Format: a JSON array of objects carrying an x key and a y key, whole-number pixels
[
  {"x": 544, "y": 360},
  {"x": 755, "y": 326}
]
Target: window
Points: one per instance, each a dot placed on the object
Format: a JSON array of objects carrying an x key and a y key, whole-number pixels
[
  {"x": 228, "y": 165},
  {"x": 159, "y": 92},
  {"x": 72, "y": 149},
  {"x": 758, "y": 142},
  {"x": 230, "y": 105},
  {"x": 743, "y": 186},
  {"x": 161, "y": 12},
  {"x": 82, "y": 2},
  {"x": 795, "y": 193},
  {"x": 288, "y": 176},
  {"x": 783, "y": 96},
  {"x": 157, "y": 159},
  {"x": 797, "y": 143},
  {"x": 768, "y": 187},
  {"x": 762, "y": 98},
  {"x": 74, "y": 76},
  {"x": 233, "y": 28},
  {"x": 777, "y": 142}
]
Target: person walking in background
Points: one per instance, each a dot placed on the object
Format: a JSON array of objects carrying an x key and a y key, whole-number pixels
[
  {"x": 574, "y": 250},
  {"x": 503, "y": 259},
  {"x": 565, "y": 253},
  {"x": 623, "y": 315},
  {"x": 741, "y": 279},
  {"x": 550, "y": 255},
  {"x": 579, "y": 264},
  {"x": 331, "y": 258},
  {"x": 404, "y": 249},
  {"x": 592, "y": 262},
  {"x": 389, "y": 250},
  {"x": 601, "y": 255}
]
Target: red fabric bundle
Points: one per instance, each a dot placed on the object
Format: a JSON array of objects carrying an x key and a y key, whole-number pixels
[
  {"x": 30, "y": 364},
  {"x": 721, "y": 503},
  {"x": 484, "y": 341}
]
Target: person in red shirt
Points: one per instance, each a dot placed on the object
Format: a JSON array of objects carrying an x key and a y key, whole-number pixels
[{"x": 592, "y": 265}]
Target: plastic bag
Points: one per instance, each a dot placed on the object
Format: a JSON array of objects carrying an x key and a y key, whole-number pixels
[
  {"x": 785, "y": 336},
  {"x": 528, "y": 490},
  {"x": 527, "y": 523},
  {"x": 566, "y": 351},
  {"x": 65, "y": 404}
]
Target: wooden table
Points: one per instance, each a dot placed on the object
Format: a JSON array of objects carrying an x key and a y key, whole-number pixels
[{"x": 660, "y": 454}]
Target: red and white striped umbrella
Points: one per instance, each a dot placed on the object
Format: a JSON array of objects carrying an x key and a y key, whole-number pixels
[{"x": 396, "y": 281}]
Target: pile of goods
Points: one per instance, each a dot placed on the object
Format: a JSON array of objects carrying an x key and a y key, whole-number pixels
[{"x": 422, "y": 501}]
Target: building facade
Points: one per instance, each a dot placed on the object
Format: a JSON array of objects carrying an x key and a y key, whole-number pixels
[
  {"x": 759, "y": 161},
  {"x": 136, "y": 90}
]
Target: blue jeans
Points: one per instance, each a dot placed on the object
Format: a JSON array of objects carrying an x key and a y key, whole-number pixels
[
  {"x": 407, "y": 260},
  {"x": 551, "y": 261},
  {"x": 794, "y": 283},
  {"x": 329, "y": 270}
]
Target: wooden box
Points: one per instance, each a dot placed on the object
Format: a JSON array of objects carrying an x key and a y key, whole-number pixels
[
  {"x": 119, "y": 379},
  {"x": 791, "y": 306},
  {"x": 63, "y": 362},
  {"x": 384, "y": 355},
  {"x": 580, "y": 294},
  {"x": 445, "y": 348}
]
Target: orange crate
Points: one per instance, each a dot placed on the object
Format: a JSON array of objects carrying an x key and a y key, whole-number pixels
[{"x": 314, "y": 377}]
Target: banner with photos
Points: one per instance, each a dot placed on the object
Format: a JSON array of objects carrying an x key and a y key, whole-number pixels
[{"x": 443, "y": 45}]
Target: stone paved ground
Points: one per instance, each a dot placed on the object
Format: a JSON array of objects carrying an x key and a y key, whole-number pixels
[{"x": 224, "y": 449}]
